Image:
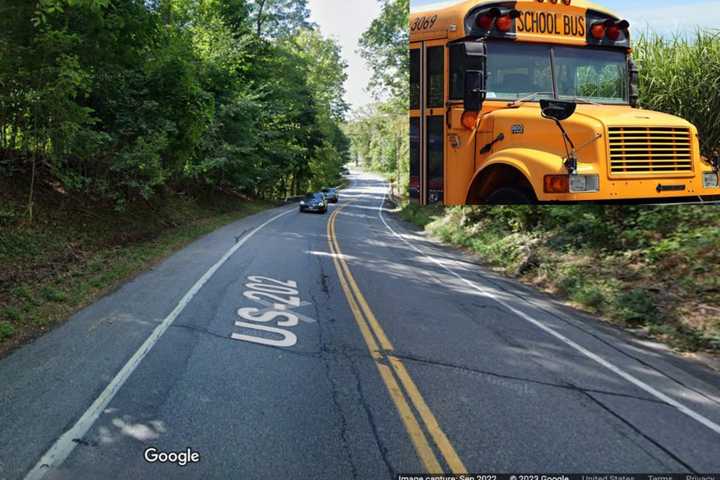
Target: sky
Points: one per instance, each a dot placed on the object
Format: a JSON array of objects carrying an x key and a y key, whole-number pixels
[
  {"x": 346, "y": 20},
  {"x": 666, "y": 17}
]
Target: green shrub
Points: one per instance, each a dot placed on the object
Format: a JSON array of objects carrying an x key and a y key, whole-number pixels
[
  {"x": 590, "y": 295},
  {"x": 10, "y": 313},
  {"x": 568, "y": 278},
  {"x": 6, "y": 330},
  {"x": 636, "y": 306},
  {"x": 419, "y": 215},
  {"x": 53, "y": 295}
]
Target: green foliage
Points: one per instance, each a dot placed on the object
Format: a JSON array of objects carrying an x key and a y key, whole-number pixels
[
  {"x": 6, "y": 330},
  {"x": 636, "y": 306},
  {"x": 12, "y": 314},
  {"x": 654, "y": 268},
  {"x": 380, "y": 132},
  {"x": 419, "y": 215},
  {"x": 589, "y": 295},
  {"x": 278, "y": 18},
  {"x": 125, "y": 99},
  {"x": 53, "y": 295},
  {"x": 385, "y": 46},
  {"x": 681, "y": 76},
  {"x": 380, "y": 138}
]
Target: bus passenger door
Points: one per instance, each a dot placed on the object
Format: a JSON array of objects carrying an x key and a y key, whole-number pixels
[
  {"x": 427, "y": 121},
  {"x": 434, "y": 120}
]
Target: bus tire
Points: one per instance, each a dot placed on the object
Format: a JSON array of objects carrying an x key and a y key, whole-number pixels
[{"x": 510, "y": 196}]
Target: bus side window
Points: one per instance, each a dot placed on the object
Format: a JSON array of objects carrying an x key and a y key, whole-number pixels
[
  {"x": 414, "y": 186},
  {"x": 415, "y": 79},
  {"x": 435, "y": 77},
  {"x": 457, "y": 72}
]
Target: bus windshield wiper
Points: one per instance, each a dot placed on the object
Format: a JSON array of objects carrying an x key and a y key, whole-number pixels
[
  {"x": 529, "y": 98},
  {"x": 578, "y": 99}
]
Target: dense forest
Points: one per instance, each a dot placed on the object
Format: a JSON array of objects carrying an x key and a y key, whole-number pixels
[
  {"x": 123, "y": 99},
  {"x": 128, "y": 128}
]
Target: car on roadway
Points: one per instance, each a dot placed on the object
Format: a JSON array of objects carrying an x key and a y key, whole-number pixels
[
  {"x": 314, "y": 202},
  {"x": 331, "y": 194}
]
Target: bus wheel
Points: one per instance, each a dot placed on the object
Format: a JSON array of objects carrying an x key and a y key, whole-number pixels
[{"x": 510, "y": 196}]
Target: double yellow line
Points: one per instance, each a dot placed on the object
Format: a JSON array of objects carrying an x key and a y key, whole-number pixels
[{"x": 392, "y": 370}]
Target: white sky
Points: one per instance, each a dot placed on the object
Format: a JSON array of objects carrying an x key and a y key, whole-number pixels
[{"x": 346, "y": 20}]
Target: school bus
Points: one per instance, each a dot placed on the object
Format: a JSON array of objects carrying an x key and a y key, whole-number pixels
[{"x": 537, "y": 101}]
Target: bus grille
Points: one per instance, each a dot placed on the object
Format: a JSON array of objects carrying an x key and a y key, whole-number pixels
[{"x": 650, "y": 150}]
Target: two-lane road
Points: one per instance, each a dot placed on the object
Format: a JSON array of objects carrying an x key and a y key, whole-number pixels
[{"x": 344, "y": 346}]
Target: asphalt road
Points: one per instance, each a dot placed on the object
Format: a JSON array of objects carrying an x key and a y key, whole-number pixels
[{"x": 338, "y": 346}]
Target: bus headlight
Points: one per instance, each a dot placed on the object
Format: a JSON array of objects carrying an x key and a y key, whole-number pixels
[
  {"x": 711, "y": 180},
  {"x": 584, "y": 183}
]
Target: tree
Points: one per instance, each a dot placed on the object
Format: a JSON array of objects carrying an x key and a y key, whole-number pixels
[
  {"x": 380, "y": 132},
  {"x": 279, "y": 18},
  {"x": 385, "y": 47},
  {"x": 124, "y": 99}
]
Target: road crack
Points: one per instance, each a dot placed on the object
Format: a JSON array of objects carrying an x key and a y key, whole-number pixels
[
  {"x": 328, "y": 354},
  {"x": 368, "y": 412},
  {"x": 566, "y": 386},
  {"x": 334, "y": 388}
]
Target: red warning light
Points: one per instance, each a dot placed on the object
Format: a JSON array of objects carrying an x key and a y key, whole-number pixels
[
  {"x": 504, "y": 23},
  {"x": 598, "y": 31},
  {"x": 485, "y": 22}
]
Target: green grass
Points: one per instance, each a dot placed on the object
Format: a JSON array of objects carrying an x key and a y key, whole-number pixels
[
  {"x": 419, "y": 215},
  {"x": 71, "y": 254},
  {"x": 681, "y": 76}
]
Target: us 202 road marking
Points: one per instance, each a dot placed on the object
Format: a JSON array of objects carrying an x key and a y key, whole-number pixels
[
  {"x": 283, "y": 296},
  {"x": 64, "y": 445}
]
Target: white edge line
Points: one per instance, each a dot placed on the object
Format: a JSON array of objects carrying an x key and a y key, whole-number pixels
[
  {"x": 593, "y": 356},
  {"x": 64, "y": 445}
]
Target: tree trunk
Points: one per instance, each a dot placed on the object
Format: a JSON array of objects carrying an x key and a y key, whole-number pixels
[{"x": 261, "y": 8}]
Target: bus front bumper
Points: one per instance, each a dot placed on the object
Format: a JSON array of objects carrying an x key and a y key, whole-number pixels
[{"x": 644, "y": 190}]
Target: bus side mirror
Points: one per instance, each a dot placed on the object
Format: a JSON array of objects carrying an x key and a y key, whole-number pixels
[
  {"x": 557, "y": 110},
  {"x": 634, "y": 83},
  {"x": 474, "y": 63},
  {"x": 474, "y": 90}
]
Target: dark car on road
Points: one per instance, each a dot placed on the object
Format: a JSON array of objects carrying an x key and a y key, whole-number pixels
[
  {"x": 331, "y": 194},
  {"x": 314, "y": 202}
]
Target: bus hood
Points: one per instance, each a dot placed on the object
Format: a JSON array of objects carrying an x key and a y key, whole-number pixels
[
  {"x": 593, "y": 129},
  {"x": 625, "y": 116}
]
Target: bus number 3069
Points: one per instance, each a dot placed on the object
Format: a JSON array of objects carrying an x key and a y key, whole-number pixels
[{"x": 423, "y": 23}]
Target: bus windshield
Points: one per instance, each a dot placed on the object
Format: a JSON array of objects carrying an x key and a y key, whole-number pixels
[{"x": 518, "y": 71}]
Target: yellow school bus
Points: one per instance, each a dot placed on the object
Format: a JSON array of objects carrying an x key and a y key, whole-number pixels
[{"x": 537, "y": 101}]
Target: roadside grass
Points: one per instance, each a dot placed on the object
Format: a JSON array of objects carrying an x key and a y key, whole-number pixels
[
  {"x": 71, "y": 254},
  {"x": 420, "y": 216},
  {"x": 653, "y": 271}
]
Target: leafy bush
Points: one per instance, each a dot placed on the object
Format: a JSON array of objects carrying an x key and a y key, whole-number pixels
[
  {"x": 6, "y": 330},
  {"x": 637, "y": 306}
]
